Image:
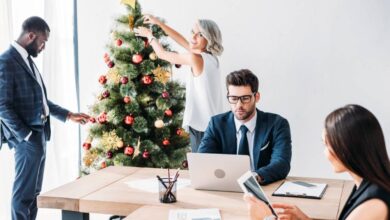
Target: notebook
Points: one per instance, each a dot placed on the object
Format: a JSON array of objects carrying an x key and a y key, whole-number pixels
[{"x": 301, "y": 189}]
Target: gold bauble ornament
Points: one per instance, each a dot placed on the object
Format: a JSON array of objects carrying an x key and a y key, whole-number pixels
[
  {"x": 120, "y": 144},
  {"x": 159, "y": 123},
  {"x": 153, "y": 56}
]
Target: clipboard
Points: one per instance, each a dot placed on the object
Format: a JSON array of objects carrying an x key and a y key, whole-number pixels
[{"x": 301, "y": 189}]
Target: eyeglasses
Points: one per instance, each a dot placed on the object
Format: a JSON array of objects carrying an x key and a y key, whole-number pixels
[
  {"x": 244, "y": 99},
  {"x": 200, "y": 34}
]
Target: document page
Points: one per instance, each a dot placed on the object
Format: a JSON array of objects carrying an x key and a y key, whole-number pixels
[
  {"x": 194, "y": 214},
  {"x": 301, "y": 189}
]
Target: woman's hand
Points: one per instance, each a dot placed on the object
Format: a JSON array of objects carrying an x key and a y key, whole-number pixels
[
  {"x": 150, "y": 19},
  {"x": 143, "y": 32},
  {"x": 289, "y": 212},
  {"x": 258, "y": 210}
]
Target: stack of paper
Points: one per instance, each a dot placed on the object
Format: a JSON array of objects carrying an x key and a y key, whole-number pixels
[{"x": 194, "y": 214}]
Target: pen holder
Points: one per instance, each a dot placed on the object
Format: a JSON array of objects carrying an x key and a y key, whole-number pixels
[{"x": 167, "y": 190}]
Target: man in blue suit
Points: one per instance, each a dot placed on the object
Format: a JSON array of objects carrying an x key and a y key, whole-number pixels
[
  {"x": 25, "y": 115},
  {"x": 245, "y": 130}
]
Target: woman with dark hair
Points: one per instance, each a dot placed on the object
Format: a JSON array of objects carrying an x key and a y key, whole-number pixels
[{"x": 354, "y": 143}]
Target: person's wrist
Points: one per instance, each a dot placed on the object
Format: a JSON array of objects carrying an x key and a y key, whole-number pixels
[
  {"x": 151, "y": 38},
  {"x": 69, "y": 115},
  {"x": 157, "y": 22}
]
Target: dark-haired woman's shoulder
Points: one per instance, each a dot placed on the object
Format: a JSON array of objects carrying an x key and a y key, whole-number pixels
[
  {"x": 373, "y": 203},
  {"x": 375, "y": 209}
]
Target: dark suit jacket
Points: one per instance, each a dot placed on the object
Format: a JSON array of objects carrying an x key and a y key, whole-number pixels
[
  {"x": 21, "y": 100},
  {"x": 272, "y": 143}
]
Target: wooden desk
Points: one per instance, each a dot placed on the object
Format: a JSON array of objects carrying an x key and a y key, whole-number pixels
[{"x": 106, "y": 192}]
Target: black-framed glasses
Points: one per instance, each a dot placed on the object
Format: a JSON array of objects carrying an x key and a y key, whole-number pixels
[{"x": 244, "y": 99}]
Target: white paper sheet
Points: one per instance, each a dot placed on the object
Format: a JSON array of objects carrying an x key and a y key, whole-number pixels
[
  {"x": 194, "y": 214},
  {"x": 291, "y": 188}
]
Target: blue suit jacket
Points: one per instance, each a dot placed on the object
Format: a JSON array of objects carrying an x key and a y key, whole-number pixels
[
  {"x": 272, "y": 143},
  {"x": 21, "y": 101}
]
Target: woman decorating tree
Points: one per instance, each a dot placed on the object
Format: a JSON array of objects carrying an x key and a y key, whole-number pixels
[
  {"x": 203, "y": 88},
  {"x": 354, "y": 143}
]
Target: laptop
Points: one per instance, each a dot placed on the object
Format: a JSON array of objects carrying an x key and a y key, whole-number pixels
[{"x": 217, "y": 171}]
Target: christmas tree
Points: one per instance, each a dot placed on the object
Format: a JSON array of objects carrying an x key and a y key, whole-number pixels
[{"x": 138, "y": 115}]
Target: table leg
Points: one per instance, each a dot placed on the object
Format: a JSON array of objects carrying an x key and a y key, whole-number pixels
[{"x": 71, "y": 215}]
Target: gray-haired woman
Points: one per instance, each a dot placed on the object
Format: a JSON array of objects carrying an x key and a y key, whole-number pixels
[{"x": 204, "y": 88}]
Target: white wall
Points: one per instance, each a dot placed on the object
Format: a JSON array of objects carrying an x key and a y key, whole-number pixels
[{"x": 311, "y": 57}]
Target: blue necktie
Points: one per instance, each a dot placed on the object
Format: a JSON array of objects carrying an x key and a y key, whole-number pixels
[
  {"x": 243, "y": 147},
  {"x": 31, "y": 62}
]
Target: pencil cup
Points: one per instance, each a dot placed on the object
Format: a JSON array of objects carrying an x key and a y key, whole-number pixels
[{"x": 167, "y": 190}]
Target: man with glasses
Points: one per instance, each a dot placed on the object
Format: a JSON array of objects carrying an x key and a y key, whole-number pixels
[{"x": 245, "y": 130}]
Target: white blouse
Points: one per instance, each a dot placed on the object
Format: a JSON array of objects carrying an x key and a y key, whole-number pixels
[{"x": 203, "y": 95}]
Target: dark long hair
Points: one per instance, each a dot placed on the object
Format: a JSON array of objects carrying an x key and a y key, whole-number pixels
[{"x": 356, "y": 137}]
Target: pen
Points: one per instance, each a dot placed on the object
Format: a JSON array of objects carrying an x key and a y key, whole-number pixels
[{"x": 166, "y": 187}]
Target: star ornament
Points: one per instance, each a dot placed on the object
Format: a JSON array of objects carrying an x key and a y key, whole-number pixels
[
  {"x": 113, "y": 75},
  {"x": 131, "y": 3},
  {"x": 161, "y": 75}
]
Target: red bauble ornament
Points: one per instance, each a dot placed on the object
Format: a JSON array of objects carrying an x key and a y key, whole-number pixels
[
  {"x": 103, "y": 165},
  {"x": 137, "y": 58},
  {"x": 147, "y": 80},
  {"x": 102, "y": 118},
  {"x": 124, "y": 80},
  {"x": 166, "y": 142},
  {"x": 129, "y": 150},
  {"x": 129, "y": 120},
  {"x": 178, "y": 65},
  {"x": 109, "y": 154},
  {"x": 127, "y": 99},
  {"x": 87, "y": 146},
  {"x": 165, "y": 95},
  {"x": 107, "y": 59},
  {"x": 106, "y": 94},
  {"x": 168, "y": 112},
  {"x": 110, "y": 64},
  {"x": 102, "y": 79},
  {"x": 146, "y": 154},
  {"x": 179, "y": 131},
  {"x": 119, "y": 42},
  {"x": 92, "y": 120},
  {"x": 184, "y": 164}
]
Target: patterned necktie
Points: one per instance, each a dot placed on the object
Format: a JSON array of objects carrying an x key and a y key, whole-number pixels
[
  {"x": 30, "y": 61},
  {"x": 243, "y": 147}
]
